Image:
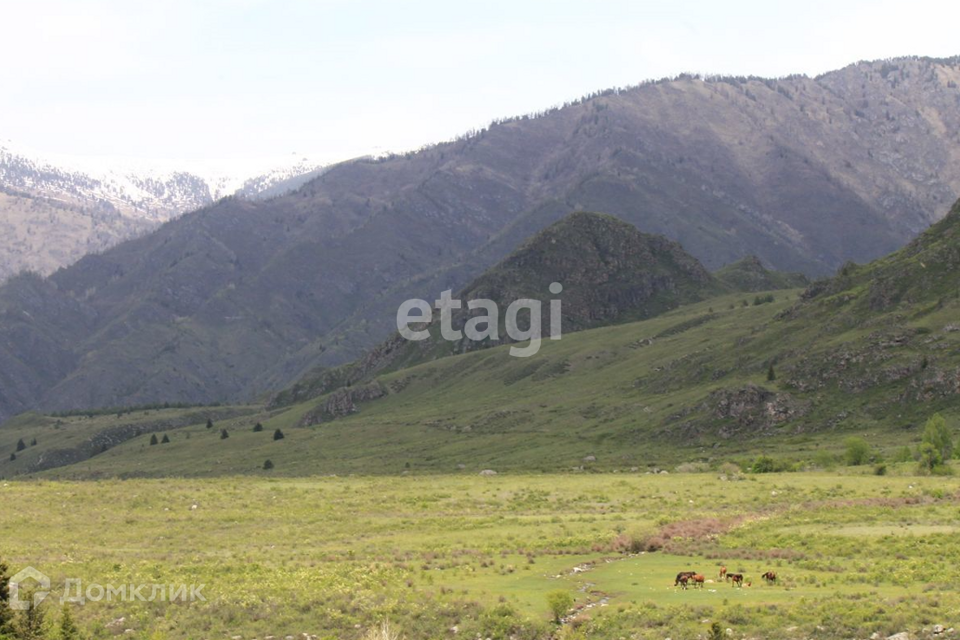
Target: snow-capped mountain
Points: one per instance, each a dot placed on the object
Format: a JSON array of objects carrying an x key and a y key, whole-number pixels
[{"x": 55, "y": 209}]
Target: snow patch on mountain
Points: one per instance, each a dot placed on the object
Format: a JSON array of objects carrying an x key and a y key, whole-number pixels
[{"x": 153, "y": 189}]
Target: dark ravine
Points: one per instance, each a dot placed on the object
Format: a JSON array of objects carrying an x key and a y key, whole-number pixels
[{"x": 242, "y": 298}]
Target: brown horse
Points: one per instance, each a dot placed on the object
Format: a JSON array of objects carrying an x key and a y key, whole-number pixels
[
  {"x": 736, "y": 579},
  {"x": 682, "y": 578},
  {"x": 698, "y": 580},
  {"x": 723, "y": 573},
  {"x": 770, "y": 577}
]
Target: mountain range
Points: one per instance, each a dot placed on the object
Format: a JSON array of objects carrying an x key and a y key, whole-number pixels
[
  {"x": 56, "y": 210},
  {"x": 243, "y": 297}
]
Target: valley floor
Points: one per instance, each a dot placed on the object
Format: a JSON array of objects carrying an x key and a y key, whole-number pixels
[{"x": 471, "y": 556}]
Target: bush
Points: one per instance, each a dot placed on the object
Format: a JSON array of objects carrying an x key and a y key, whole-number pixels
[
  {"x": 730, "y": 468},
  {"x": 267, "y": 465},
  {"x": 209, "y": 423},
  {"x": 880, "y": 470},
  {"x": 223, "y": 434},
  {"x": 383, "y": 632},
  {"x": 5, "y": 612},
  {"x": 68, "y": 628},
  {"x": 257, "y": 428},
  {"x": 692, "y": 467},
  {"x": 904, "y": 455},
  {"x": 857, "y": 451},
  {"x": 278, "y": 435},
  {"x": 21, "y": 445},
  {"x": 766, "y": 464},
  {"x": 559, "y": 602},
  {"x": 824, "y": 460},
  {"x": 937, "y": 433},
  {"x": 153, "y": 440},
  {"x": 166, "y": 439}
]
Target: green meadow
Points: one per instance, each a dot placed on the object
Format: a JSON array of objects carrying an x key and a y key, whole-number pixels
[{"x": 441, "y": 556}]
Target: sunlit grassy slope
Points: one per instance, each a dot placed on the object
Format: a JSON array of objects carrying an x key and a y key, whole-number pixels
[{"x": 639, "y": 395}]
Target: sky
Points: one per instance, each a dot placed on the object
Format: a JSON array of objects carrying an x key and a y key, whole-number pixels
[{"x": 333, "y": 79}]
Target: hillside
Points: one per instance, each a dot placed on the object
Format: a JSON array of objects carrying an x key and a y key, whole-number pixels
[
  {"x": 726, "y": 378},
  {"x": 749, "y": 274},
  {"x": 610, "y": 273},
  {"x": 55, "y": 212},
  {"x": 241, "y": 297}
]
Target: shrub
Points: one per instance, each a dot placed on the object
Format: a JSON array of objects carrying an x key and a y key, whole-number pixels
[
  {"x": 771, "y": 374},
  {"x": 857, "y": 451},
  {"x": 937, "y": 433},
  {"x": 209, "y": 423},
  {"x": 766, "y": 464},
  {"x": 278, "y": 435},
  {"x": 692, "y": 467},
  {"x": 68, "y": 628},
  {"x": 13, "y": 457},
  {"x": 153, "y": 440},
  {"x": 267, "y": 465},
  {"x": 223, "y": 434},
  {"x": 21, "y": 445},
  {"x": 257, "y": 428},
  {"x": 5, "y": 612},
  {"x": 165, "y": 440},
  {"x": 383, "y": 632},
  {"x": 904, "y": 455},
  {"x": 730, "y": 470},
  {"x": 559, "y": 602},
  {"x": 824, "y": 460},
  {"x": 880, "y": 470}
]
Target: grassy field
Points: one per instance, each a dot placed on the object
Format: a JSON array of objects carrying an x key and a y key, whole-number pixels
[{"x": 337, "y": 556}]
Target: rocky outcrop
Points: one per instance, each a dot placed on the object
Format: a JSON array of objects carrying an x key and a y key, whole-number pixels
[
  {"x": 343, "y": 402},
  {"x": 753, "y": 408}
]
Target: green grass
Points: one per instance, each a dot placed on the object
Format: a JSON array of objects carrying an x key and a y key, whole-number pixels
[{"x": 336, "y": 556}]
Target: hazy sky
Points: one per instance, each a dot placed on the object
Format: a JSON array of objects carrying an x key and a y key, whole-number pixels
[{"x": 252, "y": 78}]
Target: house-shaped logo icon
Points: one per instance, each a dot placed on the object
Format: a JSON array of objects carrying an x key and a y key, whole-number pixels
[{"x": 21, "y": 582}]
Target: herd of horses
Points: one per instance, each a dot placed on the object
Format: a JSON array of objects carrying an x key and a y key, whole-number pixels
[{"x": 686, "y": 578}]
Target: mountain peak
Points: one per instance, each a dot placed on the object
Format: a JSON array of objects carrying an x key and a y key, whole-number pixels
[{"x": 611, "y": 273}]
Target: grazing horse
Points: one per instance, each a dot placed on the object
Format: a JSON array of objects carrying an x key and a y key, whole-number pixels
[
  {"x": 736, "y": 579},
  {"x": 698, "y": 580},
  {"x": 723, "y": 573},
  {"x": 682, "y": 578},
  {"x": 770, "y": 577}
]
